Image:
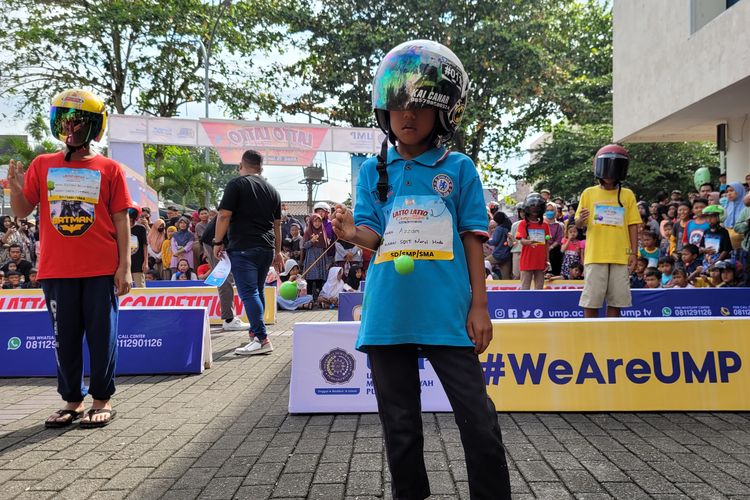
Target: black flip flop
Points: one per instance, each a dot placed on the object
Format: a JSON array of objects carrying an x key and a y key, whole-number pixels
[
  {"x": 54, "y": 424},
  {"x": 102, "y": 423}
]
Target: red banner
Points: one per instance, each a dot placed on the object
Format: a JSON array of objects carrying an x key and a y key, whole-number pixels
[{"x": 280, "y": 144}]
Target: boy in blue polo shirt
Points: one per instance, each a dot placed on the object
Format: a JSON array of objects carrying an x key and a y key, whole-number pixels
[{"x": 420, "y": 200}]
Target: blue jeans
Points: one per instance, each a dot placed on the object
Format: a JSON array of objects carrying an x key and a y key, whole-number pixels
[{"x": 249, "y": 268}]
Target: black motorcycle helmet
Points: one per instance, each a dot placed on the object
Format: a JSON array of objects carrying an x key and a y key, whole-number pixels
[{"x": 534, "y": 205}]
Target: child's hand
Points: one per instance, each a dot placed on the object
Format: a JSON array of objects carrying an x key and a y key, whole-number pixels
[
  {"x": 15, "y": 176},
  {"x": 526, "y": 242},
  {"x": 584, "y": 214},
  {"x": 479, "y": 328},
  {"x": 343, "y": 223}
]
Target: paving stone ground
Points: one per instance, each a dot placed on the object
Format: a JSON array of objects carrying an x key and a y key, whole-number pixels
[{"x": 227, "y": 434}]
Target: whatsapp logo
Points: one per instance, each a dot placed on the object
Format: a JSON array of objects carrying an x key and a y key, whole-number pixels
[
  {"x": 14, "y": 343},
  {"x": 666, "y": 311}
]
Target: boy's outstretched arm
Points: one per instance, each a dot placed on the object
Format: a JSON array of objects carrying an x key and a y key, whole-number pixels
[{"x": 478, "y": 323}]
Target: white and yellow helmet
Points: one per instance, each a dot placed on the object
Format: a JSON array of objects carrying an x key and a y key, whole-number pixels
[{"x": 77, "y": 117}]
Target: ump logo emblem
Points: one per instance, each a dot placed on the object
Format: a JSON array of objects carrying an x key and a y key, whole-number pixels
[
  {"x": 442, "y": 184},
  {"x": 337, "y": 366}
]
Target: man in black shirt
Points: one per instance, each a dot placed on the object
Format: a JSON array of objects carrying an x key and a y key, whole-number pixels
[
  {"x": 138, "y": 250},
  {"x": 251, "y": 210}
]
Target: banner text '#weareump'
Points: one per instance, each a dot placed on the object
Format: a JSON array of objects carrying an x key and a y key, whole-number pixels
[{"x": 666, "y": 368}]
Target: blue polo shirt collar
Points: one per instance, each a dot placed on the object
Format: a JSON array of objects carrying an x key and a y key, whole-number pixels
[{"x": 429, "y": 158}]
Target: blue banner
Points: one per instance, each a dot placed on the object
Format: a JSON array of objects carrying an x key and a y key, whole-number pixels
[
  {"x": 647, "y": 303},
  {"x": 174, "y": 284},
  {"x": 150, "y": 341}
]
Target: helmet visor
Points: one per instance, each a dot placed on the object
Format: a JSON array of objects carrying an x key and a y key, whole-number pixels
[
  {"x": 414, "y": 79},
  {"x": 611, "y": 166},
  {"x": 73, "y": 126}
]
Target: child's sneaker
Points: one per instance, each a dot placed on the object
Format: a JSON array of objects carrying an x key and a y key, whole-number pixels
[{"x": 255, "y": 347}]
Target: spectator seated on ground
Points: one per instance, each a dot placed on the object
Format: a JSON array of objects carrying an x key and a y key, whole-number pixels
[
  {"x": 680, "y": 279},
  {"x": 652, "y": 278},
  {"x": 13, "y": 281},
  {"x": 151, "y": 275},
  {"x": 334, "y": 285},
  {"x": 302, "y": 301},
  {"x": 184, "y": 270},
  {"x": 576, "y": 272},
  {"x": 666, "y": 267},
  {"x": 728, "y": 274},
  {"x": 638, "y": 278},
  {"x": 32, "y": 281},
  {"x": 355, "y": 277}
]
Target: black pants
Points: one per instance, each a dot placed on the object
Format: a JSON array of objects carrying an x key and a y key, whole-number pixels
[
  {"x": 79, "y": 305},
  {"x": 395, "y": 373}
]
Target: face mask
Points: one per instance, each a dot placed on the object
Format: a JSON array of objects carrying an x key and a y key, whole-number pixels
[
  {"x": 283, "y": 213},
  {"x": 723, "y": 201},
  {"x": 549, "y": 215}
]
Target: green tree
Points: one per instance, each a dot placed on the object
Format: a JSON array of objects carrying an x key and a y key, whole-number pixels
[
  {"x": 140, "y": 55},
  {"x": 526, "y": 60},
  {"x": 183, "y": 176},
  {"x": 16, "y": 148},
  {"x": 563, "y": 164}
]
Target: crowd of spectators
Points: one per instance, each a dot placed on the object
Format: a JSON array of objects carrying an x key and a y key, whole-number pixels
[
  {"x": 19, "y": 252},
  {"x": 701, "y": 239}
]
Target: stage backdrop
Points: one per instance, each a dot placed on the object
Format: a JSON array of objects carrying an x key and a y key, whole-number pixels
[
  {"x": 149, "y": 340},
  {"x": 658, "y": 303},
  {"x": 663, "y": 364},
  {"x": 201, "y": 296}
]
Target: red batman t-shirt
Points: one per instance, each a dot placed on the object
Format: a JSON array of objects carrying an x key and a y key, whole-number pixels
[{"x": 76, "y": 202}]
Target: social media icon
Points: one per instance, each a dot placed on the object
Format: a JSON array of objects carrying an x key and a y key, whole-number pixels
[
  {"x": 526, "y": 314},
  {"x": 499, "y": 313},
  {"x": 538, "y": 313},
  {"x": 512, "y": 313},
  {"x": 14, "y": 343}
]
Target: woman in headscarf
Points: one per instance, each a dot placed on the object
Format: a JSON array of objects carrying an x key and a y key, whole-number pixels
[
  {"x": 354, "y": 277},
  {"x": 182, "y": 244},
  {"x": 329, "y": 295},
  {"x": 166, "y": 254},
  {"x": 155, "y": 240},
  {"x": 735, "y": 194},
  {"x": 315, "y": 243},
  {"x": 302, "y": 301}
]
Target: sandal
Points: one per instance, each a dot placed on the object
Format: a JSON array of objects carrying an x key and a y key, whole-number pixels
[
  {"x": 57, "y": 424},
  {"x": 101, "y": 423}
]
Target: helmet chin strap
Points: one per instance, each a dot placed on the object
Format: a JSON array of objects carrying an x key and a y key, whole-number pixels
[
  {"x": 73, "y": 149},
  {"x": 382, "y": 169}
]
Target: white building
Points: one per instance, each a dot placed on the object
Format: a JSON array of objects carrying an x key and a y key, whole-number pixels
[{"x": 682, "y": 67}]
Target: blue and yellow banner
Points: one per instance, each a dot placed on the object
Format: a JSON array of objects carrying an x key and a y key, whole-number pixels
[{"x": 655, "y": 364}]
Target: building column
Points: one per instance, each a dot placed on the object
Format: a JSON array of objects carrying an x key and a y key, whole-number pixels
[{"x": 738, "y": 149}]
